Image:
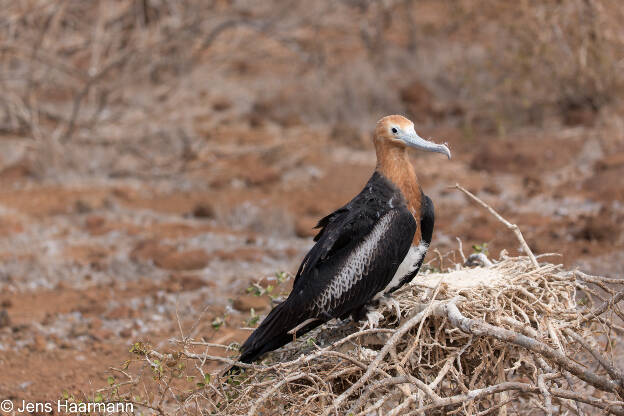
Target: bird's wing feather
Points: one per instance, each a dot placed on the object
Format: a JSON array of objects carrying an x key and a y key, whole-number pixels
[
  {"x": 357, "y": 252},
  {"x": 348, "y": 223}
]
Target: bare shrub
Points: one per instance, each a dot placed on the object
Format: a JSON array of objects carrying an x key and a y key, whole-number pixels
[
  {"x": 525, "y": 61},
  {"x": 83, "y": 77}
]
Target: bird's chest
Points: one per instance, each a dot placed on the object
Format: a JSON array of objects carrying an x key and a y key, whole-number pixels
[
  {"x": 414, "y": 205},
  {"x": 408, "y": 266},
  {"x": 411, "y": 193}
]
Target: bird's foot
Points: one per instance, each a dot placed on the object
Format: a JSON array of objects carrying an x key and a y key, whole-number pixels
[
  {"x": 392, "y": 304},
  {"x": 372, "y": 319}
]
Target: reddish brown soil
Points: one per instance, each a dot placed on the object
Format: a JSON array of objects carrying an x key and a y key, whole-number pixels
[{"x": 90, "y": 267}]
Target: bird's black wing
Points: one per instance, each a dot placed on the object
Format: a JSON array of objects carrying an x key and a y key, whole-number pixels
[
  {"x": 357, "y": 251},
  {"x": 350, "y": 222}
]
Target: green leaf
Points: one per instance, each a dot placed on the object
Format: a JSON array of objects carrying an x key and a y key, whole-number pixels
[
  {"x": 216, "y": 324},
  {"x": 481, "y": 248},
  {"x": 111, "y": 380},
  {"x": 281, "y": 276},
  {"x": 253, "y": 320}
]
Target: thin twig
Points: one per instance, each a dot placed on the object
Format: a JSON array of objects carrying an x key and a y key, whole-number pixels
[
  {"x": 512, "y": 227},
  {"x": 461, "y": 250},
  {"x": 614, "y": 372}
]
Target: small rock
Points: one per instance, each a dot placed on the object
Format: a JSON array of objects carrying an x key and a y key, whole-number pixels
[
  {"x": 192, "y": 282},
  {"x": 183, "y": 283},
  {"x": 121, "y": 312},
  {"x": 125, "y": 333},
  {"x": 48, "y": 319},
  {"x": 96, "y": 225},
  {"x": 79, "y": 330},
  {"x": 19, "y": 328},
  {"x": 149, "y": 250},
  {"x": 96, "y": 323},
  {"x": 184, "y": 260},
  {"x": 204, "y": 211},
  {"x": 251, "y": 254},
  {"x": 245, "y": 303},
  {"x": 597, "y": 228},
  {"x": 575, "y": 115},
  {"x": 221, "y": 104},
  {"x": 4, "y": 318},
  {"x": 39, "y": 343},
  {"x": 81, "y": 207},
  {"x": 611, "y": 161},
  {"x": 101, "y": 334},
  {"x": 17, "y": 171}
]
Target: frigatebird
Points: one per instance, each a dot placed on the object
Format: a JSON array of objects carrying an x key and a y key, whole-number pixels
[{"x": 364, "y": 250}]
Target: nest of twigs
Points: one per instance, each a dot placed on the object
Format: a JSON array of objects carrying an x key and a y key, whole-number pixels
[{"x": 507, "y": 338}]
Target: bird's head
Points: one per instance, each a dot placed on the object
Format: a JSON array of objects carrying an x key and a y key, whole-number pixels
[{"x": 399, "y": 131}]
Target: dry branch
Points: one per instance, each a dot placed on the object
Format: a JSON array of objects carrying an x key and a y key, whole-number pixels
[{"x": 512, "y": 227}]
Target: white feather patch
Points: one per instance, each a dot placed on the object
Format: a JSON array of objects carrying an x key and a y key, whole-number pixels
[
  {"x": 355, "y": 266},
  {"x": 407, "y": 266}
]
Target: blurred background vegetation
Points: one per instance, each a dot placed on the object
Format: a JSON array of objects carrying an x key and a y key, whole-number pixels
[{"x": 153, "y": 76}]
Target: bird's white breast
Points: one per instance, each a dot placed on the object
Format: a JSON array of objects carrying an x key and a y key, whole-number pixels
[{"x": 407, "y": 266}]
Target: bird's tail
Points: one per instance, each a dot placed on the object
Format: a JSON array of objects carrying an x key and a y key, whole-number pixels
[{"x": 273, "y": 333}]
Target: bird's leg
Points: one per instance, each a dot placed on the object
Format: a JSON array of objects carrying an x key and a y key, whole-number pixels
[
  {"x": 358, "y": 314},
  {"x": 372, "y": 318},
  {"x": 391, "y": 303}
]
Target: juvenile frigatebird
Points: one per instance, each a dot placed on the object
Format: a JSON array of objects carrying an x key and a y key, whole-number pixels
[{"x": 364, "y": 251}]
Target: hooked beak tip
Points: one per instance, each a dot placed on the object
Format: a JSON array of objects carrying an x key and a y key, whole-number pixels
[{"x": 446, "y": 150}]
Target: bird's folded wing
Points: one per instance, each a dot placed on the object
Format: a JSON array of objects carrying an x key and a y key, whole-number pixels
[{"x": 356, "y": 256}]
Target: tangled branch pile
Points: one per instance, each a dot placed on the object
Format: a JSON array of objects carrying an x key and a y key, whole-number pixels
[{"x": 507, "y": 337}]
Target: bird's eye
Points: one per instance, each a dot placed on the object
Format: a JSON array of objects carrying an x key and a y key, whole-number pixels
[{"x": 394, "y": 130}]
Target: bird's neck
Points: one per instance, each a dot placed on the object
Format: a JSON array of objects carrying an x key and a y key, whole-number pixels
[{"x": 393, "y": 163}]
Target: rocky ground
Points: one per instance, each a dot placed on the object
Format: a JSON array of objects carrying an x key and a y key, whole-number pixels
[{"x": 94, "y": 264}]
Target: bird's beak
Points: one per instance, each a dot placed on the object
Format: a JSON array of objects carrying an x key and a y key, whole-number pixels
[{"x": 414, "y": 140}]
